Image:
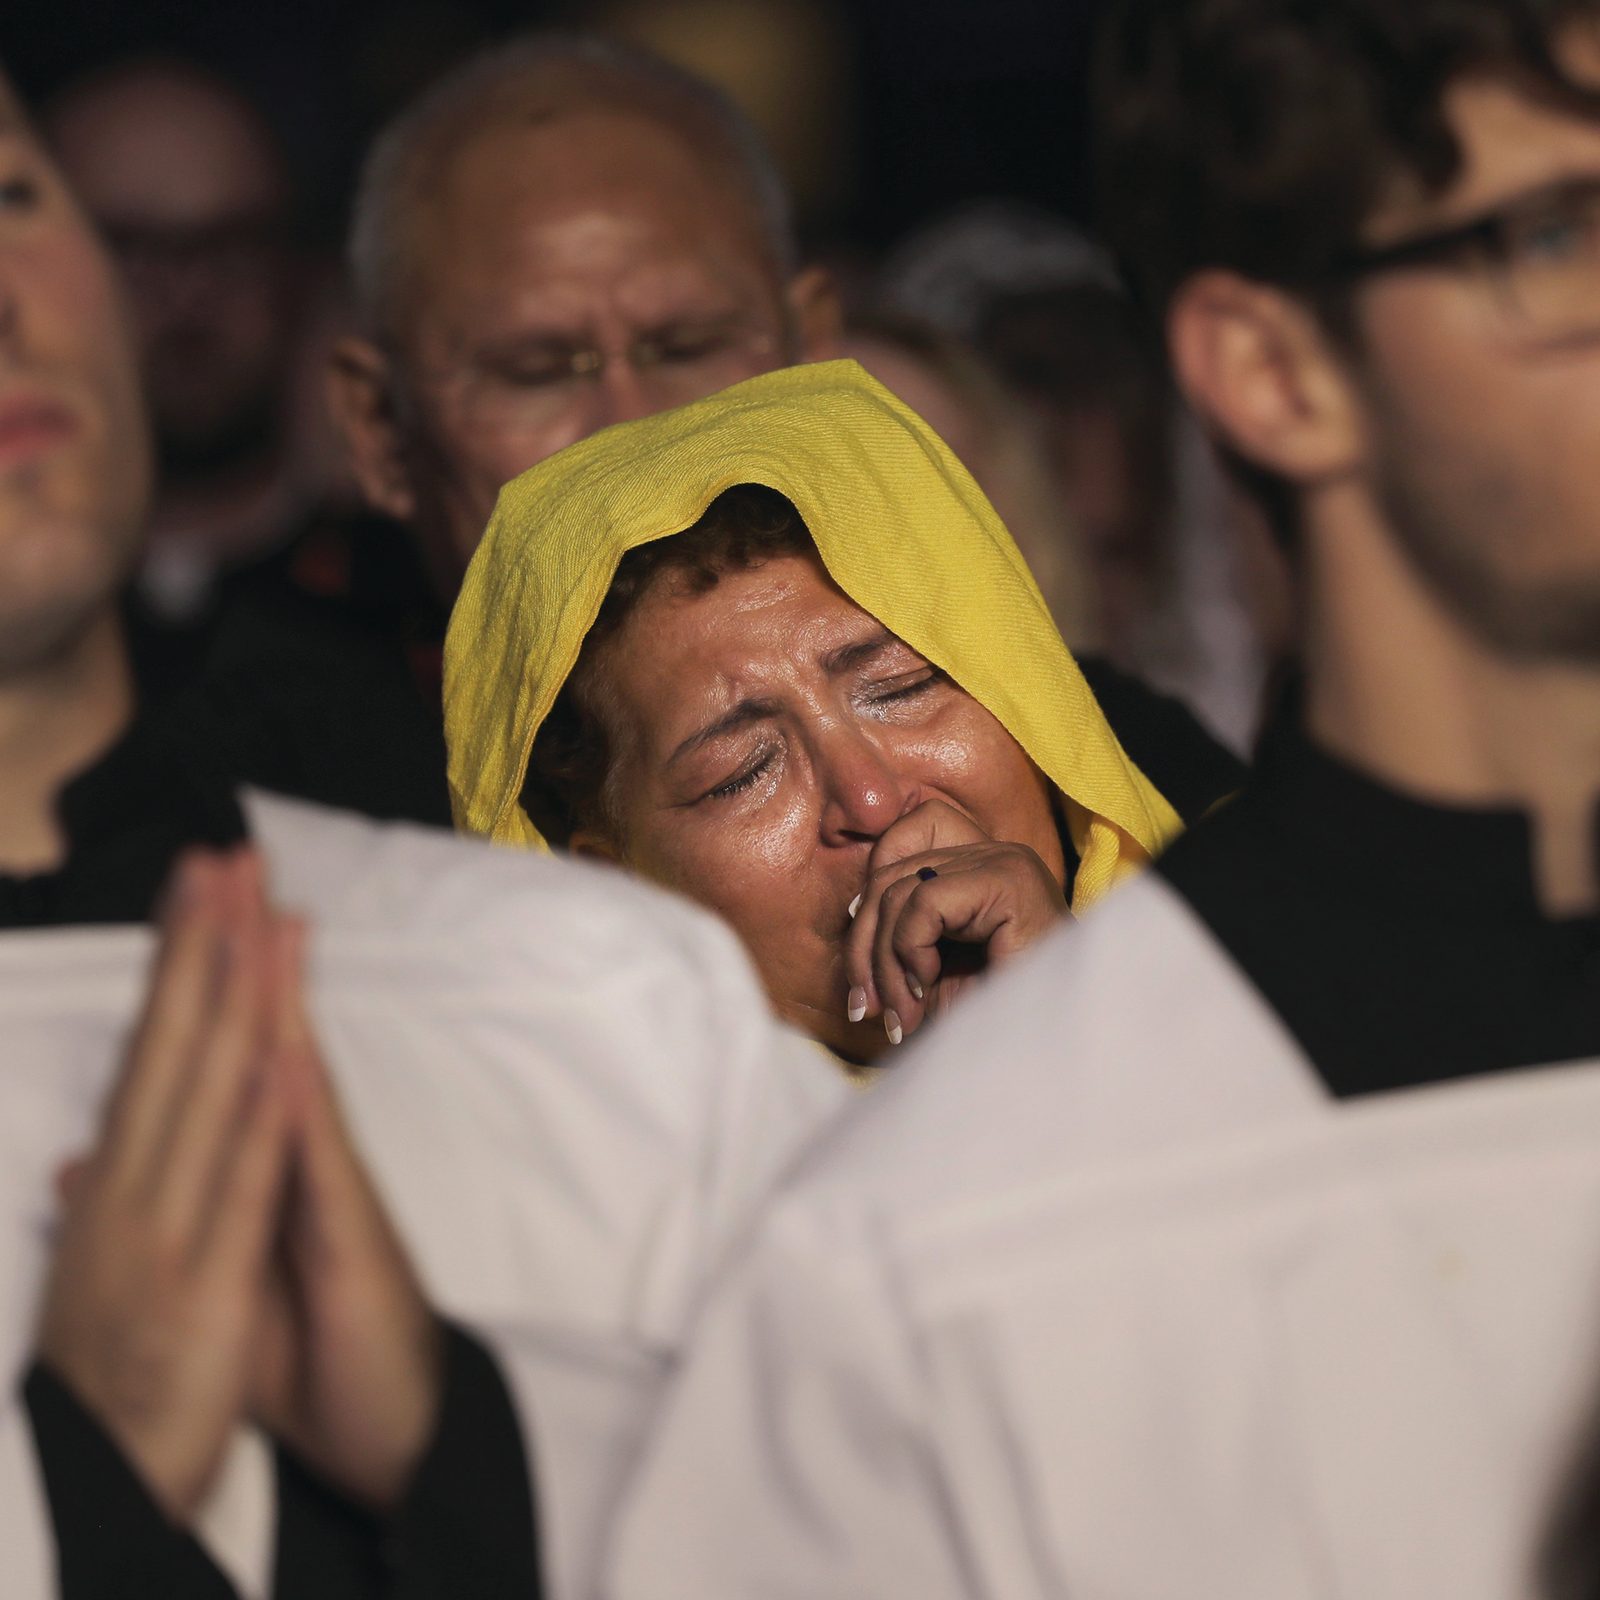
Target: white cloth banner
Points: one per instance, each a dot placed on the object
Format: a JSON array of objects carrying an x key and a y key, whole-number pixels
[
  {"x": 1103, "y": 1298},
  {"x": 568, "y": 1089}
]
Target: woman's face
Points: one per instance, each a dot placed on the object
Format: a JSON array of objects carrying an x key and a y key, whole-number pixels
[{"x": 763, "y": 735}]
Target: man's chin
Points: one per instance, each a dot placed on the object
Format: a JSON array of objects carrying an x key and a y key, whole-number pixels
[
  {"x": 1553, "y": 624},
  {"x": 39, "y": 630}
]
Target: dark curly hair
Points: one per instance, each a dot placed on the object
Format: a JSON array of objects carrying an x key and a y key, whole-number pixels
[
  {"x": 1261, "y": 135},
  {"x": 743, "y": 527}
]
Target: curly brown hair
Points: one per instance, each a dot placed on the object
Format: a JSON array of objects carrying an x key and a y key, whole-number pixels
[
  {"x": 743, "y": 527},
  {"x": 1260, "y": 135}
]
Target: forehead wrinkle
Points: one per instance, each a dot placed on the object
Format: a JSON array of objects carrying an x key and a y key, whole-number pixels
[
  {"x": 746, "y": 711},
  {"x": 847, "y": 656},
  {"x": 836, "y": 636},
  {"x": 759, "y": 708},
  {"x": 542, "y": 163}
]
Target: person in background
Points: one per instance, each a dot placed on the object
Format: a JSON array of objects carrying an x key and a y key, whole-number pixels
[
  {"x": 1244, "y": 1241},
  {"x": 1105, "y": 409},
  {"x": 561, "y": 234},
  {"x": 193, "y": 196},
  {"x": 1193, "y": 596},
  {"x": 1197, "y": 596},
  {"x": 251, "y": 581},
  {"x": 956, "y": 392}
]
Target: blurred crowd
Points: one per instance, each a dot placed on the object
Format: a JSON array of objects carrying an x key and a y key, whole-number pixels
[{"x": 1003, "y": 324}]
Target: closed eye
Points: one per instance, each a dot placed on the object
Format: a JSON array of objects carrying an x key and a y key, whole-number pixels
[
  {"x": 689, "y": 345},
  {"x": 536, "y": 372},
  {"x": 18, "y": 193},
  {"x": 899, "y": 689},
  {"x": 746, "y": 780}
]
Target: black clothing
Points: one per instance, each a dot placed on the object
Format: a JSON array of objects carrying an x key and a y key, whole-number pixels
[
  {"x": 111, "y": 1538},
  {"x": 345, "y": 593},
  {"x": 361, "y": 574},
  {"x": 359, "y": 740},
  {"x": 465, "y": 1530},
  {"x": 171, "y": 781},
  {"x": 1166, "y": 741},
  {"x": 160, "y": 789},
  {"x": 1400, "y": 942},
  {"x": 321, "y": 665}
]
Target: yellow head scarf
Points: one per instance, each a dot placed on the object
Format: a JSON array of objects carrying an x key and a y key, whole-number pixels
[{"x": 901, "y": 528}]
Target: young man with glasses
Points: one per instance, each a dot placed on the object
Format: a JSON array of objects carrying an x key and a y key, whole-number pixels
[{"x": 1263, "y": 1258}]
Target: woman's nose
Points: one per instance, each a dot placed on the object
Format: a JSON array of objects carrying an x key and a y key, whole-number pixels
[{"x": 864, "y": 794}]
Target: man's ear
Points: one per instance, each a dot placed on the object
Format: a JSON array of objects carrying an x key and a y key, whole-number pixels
[
  {"x": 1261, "y": 371},
  {"x": 360, "y": 396},
  {"x": 815, "y": 314}
]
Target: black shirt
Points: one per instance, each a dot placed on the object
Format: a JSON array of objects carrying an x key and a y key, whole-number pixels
[
  {"x": 464, "y": 1532},
  {"x": 1166, "y": 741},
  {"x": 172, "y": 781},
  {"x": 344, "y": 590},
  {"x": 1400, "y": 942}
]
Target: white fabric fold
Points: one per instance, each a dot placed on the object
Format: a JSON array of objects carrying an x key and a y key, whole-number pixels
[
  {"x": 567, "y": 1086},
  {"x": 1129, "y": 1309}
]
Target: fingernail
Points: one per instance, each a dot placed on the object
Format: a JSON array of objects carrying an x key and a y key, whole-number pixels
[
  {"x": 856, "y": 1006},
  {"x": 855, "y": 905},
  {"x": 913, "y": 986},
  {"x": 891, "y": 1026}
]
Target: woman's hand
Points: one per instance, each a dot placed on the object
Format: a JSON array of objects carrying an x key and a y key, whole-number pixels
[{"x": 936, "y": 878}]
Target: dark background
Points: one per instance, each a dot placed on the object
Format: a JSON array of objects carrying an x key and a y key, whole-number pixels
[{"x": 941, "y": 103}]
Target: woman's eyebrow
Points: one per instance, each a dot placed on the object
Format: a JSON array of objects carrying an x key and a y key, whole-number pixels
[
  {"x": 837, "y": 662},
  {"x": 741, "y": 715}
]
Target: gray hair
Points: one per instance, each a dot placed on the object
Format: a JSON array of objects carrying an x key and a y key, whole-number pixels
[
  {"x": 547, "y": 73},
  {"x": 950, "y": 273}
]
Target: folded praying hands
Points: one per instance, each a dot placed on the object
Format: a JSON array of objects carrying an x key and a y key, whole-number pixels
[{"x": 223, "y": 1255}]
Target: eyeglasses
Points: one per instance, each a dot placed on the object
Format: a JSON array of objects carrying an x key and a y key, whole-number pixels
[
  {"x": 232, "y": 250},
  {"x": 1539, "y": 254},
  {"x": 683, "y": 362}
]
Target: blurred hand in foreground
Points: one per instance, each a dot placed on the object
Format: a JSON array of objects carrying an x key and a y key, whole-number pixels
[{"x": 223, "y": 1254}]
